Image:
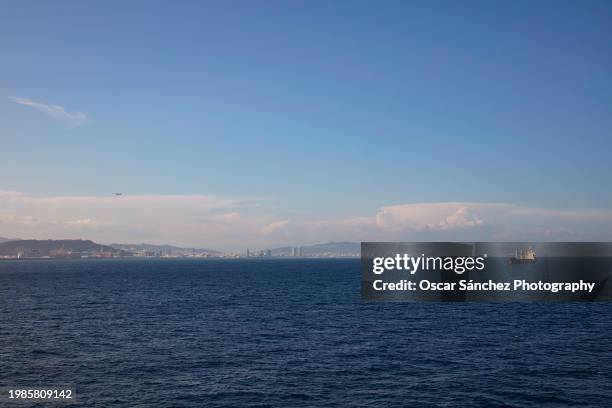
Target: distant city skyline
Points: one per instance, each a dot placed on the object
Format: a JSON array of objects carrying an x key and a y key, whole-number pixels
[{"x": 265, "y": 123}]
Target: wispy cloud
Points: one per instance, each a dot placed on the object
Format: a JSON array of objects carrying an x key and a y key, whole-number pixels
[{"x": 54, "y": 111}]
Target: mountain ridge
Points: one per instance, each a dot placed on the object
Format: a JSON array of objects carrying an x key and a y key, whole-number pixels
[
  {"x": 3, "y": 239},
  {"x": 36, "y": 248},
  {"x": 164, "y": 248}
]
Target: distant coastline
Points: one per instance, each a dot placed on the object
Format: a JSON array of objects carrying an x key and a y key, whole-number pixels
[{"x": 18, "y": 249}]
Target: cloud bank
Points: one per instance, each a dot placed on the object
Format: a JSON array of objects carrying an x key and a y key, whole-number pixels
[
  {"x": 54, "y": 111},
  {"x": 235, "y": 223}
]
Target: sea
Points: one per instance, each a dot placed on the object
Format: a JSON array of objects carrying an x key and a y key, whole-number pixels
[{"x": 285, "y": 333}]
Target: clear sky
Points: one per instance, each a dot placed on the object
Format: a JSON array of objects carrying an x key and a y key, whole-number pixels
[{"x": 306, "y": 111}]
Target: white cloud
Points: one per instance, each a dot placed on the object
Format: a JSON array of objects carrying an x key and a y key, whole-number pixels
[
  {"x": 493, "y": 221},
  {"x": 433, "y": 216},
  {"x": 229, "y": 222},
  {"x": 54, "y": 111},
  {"x": 274, "y": 227}
]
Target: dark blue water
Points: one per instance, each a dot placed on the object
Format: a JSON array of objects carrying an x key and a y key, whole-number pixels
[{"x": 286, "y": 333}]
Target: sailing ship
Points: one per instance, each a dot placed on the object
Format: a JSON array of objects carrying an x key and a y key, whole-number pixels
[{"x": 523, "y": 256}]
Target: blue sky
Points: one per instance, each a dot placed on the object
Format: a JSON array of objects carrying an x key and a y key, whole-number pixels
[{"x": 320, "y": 110}]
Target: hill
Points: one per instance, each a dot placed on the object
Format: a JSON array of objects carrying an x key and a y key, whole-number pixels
[
  {"x": 165, "y": 250},
  {"x": 64, "y": 248},
  {"x": 2, "y": 239},
  {"x": 329, "y": 249}
]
